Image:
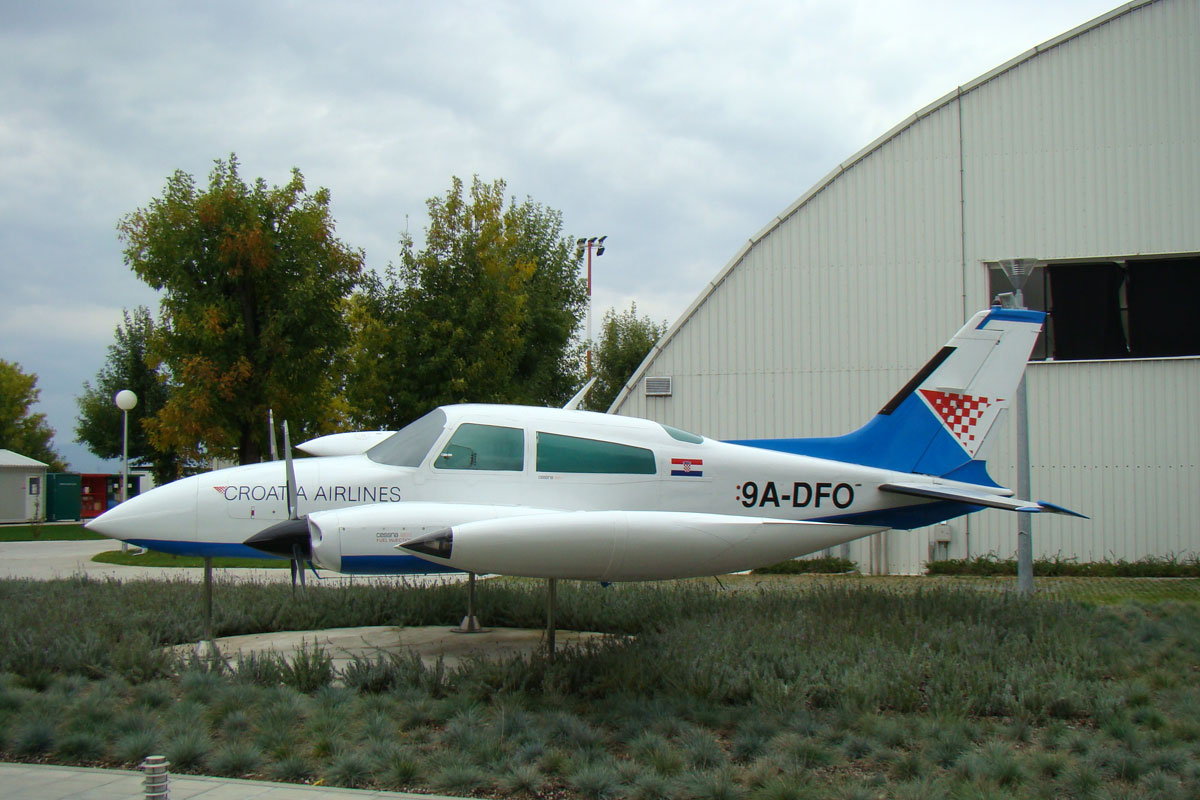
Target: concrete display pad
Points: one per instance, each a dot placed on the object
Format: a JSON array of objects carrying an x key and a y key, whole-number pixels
[{"x": 432, "y": 643}]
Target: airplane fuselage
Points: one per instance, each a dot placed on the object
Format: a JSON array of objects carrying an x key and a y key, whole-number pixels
[{"x": 552, "y": 460}]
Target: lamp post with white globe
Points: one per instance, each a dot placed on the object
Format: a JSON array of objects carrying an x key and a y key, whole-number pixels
[{"x": 125, "y": 401}]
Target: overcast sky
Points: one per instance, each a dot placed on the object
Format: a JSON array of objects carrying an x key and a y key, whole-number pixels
[{"x": 677, "y": 129}]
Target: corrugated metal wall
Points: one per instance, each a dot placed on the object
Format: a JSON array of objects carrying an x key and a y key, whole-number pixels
[{"x": 1088, "y": 146}]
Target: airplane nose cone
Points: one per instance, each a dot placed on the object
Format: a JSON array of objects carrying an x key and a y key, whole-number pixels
[{"x": 165, "y": 512}]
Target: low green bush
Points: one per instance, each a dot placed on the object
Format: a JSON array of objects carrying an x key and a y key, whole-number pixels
[
  {"x": 825, "y": 565},
  {"x": 1147, "y": 567}
]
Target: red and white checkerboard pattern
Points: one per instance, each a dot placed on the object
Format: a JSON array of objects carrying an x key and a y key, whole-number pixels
[{"x": 961, "y": 413}]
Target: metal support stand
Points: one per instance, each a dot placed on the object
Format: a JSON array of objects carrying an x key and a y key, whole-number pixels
[
  {"x": 470, "y": 624},
  {"x": 207, "y": 648},
  {"x": 1024, "y": 519},
  {"x": 551, "y": 592}
]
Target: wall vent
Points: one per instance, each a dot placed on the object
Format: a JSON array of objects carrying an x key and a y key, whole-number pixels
[{"x": 658, "y": 387}]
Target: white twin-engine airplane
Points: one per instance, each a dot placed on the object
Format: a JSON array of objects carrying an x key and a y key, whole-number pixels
[{"x": 560, "y": 493}]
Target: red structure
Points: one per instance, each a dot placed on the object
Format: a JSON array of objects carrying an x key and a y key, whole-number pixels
[{"x": 102, "y": 491}]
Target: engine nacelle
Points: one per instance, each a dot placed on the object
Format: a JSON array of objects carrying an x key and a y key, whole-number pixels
[{"x": 624, "y": 545}]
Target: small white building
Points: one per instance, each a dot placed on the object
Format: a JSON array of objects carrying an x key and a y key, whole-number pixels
[
  {"x": 22, "y": 488},
  {"x": 1083, "y": 155}
]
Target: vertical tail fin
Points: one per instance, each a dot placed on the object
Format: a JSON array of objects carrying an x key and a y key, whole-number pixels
[{"x": 943, "y": 418}]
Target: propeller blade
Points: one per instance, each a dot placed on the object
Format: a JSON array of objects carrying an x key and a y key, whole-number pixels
[
  {"x": 297, "y": 565},
  {"x": 291, "y": 473},
  {"x": 293, "y": 565}
]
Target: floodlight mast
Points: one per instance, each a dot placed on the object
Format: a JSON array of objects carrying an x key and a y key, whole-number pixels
[
  {"x": 594, "y": 243},
  {"x": 1018, "y": 271}
]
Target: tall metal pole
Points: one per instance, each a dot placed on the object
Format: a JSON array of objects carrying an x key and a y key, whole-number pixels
[
  {"x": 589, "y": 312},
  {"x": 1024, "y": 518},
  {"x": 551, "y": 622},
  {"x": 125, "y": 400},
  {"x": 594, "y": 243},
  {"x": 124, "y": 455},
  {"x": 1018, "y": 271}
]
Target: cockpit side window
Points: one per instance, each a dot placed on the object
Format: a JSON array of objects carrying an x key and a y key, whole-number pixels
[
  {"x": 409, "y": 445},
  {"x": 683, "y": 436},
  {"x": 556, "y": 453},
  {"x": 486, "y": 447}
]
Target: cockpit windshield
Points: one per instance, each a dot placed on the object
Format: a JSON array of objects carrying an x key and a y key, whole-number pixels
[{"x": 408, "y": 446}]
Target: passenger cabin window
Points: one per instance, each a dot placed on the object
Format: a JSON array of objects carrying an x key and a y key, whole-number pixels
[
  {"x": 557, "y": 453},
  {"x": 485, "y": 447}
]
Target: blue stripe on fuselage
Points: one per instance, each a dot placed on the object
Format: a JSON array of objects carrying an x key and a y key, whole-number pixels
[
  {"x": 201, "y": 549},
  {"x": 351, "y": 565},
  {"x": 392, "y": 565}
]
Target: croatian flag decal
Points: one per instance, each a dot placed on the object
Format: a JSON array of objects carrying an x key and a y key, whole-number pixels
[
  {"x": 687, "y": 468},
  {"x": 961, "y": 413}
]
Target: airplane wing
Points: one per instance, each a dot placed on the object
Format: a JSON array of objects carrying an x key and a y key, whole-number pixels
[
  {"x": 975, "y": 497},
  {"x": 625, "y": 545}
]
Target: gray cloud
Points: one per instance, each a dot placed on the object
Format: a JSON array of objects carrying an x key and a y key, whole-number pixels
[{"x": 678, "y": 129}]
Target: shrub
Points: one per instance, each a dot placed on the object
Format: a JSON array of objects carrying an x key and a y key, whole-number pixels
[
  {"x": 260, "y": 669},
  {"x": 651, "y": 786},
  {"x": 292, "y": 769},
  {"x": 32, "y": 738},
  {"x": 373, "y": 676},
  {"x": 81, "y": 746},
  {"x": 596, "y": 781},
  {"x": 234, "y": 759},
  {"x": 133, "y": 747},
  {"x": 701, "y": 750},
  {"x": 1146, "y": 567},
  {"x": 522, "y": 779},
  {"x": 188, "y": 749},
  {"x": 351, "y": 769},
  {"x": 399, "y": 769},
  {"x": 459, "y": 779},
  {"x": 827, "y": 565},
  {"x": 310, "y": 669},
  {"x": 713, "y": 786}
]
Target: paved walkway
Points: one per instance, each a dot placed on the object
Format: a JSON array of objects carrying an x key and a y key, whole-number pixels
[
  {"x": 50, "y": 560},
  {"x": 42, "y": 782}
]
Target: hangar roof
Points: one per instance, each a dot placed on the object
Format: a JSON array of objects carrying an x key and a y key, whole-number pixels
[{"x": 9, "y": 459}]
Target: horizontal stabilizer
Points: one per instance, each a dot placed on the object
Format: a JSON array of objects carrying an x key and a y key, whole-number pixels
[
  {"x": 974, "y": 497},
  {"x": 343, "y": 444}
]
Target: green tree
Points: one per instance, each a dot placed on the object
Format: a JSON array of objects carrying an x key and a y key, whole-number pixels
[
  {"x": 22, "y": 431},
  {"x": 129, "y": 366},
  {"x": 625, "y": 339},
  {"x": 252, "y": 318},
  {"x": 485, "y": 312}
]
